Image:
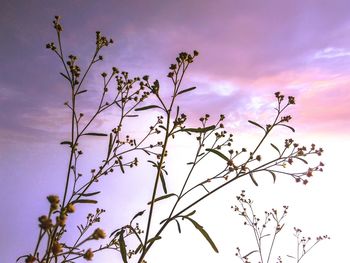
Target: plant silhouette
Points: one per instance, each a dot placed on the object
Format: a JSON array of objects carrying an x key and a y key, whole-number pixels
[{"x": 131, "y": 97}]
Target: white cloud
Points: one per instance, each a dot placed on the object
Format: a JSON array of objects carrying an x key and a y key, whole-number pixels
[
  {"x": 331, "y": 52},
  {"x": 221, "y": 87}
]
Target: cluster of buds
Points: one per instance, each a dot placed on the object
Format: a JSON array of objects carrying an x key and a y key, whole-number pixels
[
  {"x": 54, "y": 201},
  {"x": 102, "y": 41},
  {"x": 57, "y": 25},
  {"x": 134, "y": 163},
  {"x": 185, "y": 57},
  {"x": 280, "y": 98},
  {"x": 181, "y": 59},
  {"x": 74, "y": 69},
  {"x": 286, "y": 118},
  {"x": 51, "y": 46},
  {"x": 231, "y": 166},
  {"x": 94, "y": 218},
  {"x": 204, "y": 119},
  {"x": 180, "y": 120}
]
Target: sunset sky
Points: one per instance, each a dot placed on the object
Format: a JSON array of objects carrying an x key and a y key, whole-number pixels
[{"x": 248, "y": 50}]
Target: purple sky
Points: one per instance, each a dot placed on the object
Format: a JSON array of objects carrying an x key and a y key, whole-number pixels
[{"x": 248, "y": 50}]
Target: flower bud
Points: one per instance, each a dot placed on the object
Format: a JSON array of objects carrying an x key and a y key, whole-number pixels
[
  {"x": 88, "y": 254},
  {"x": 98, "y": 234}
]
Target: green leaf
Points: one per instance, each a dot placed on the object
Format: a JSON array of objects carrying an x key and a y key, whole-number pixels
[
  {"x": 153, "y": 163},
  {"x": 137, "y": 215},
  {"x": 186, "y": 90},
  {"x": 162, "y": 197},
  {"x": 250, "y": 253},
  {"x": 122, "y": 247},
  {"x": 204, "y": 233},
  {"x": 110, "y": 145},
  {"x": 275, "y": 147},
  {"x": 82, "y": 91},
  {"x": 115, "y": 232},
  {"x": 293, "y": 130},
  {"x": 301, "y": 159},
  {"x": 95, "y": 134},
  {"x": 65, "y": 76},
  {"x": 199, "y": 130},
  {"x": 190, "y": 214},
  {"x": 153, "y": 239},
  {"x": 253, "y": 179},
  {"x": 163, "y": 182},
  {"x": 139, "y": 248},
  {"x": 85, "y": 201},
  {"x": 273, "y": 175},
  {"x": 257, "y": 124},
  {"x": 121, "y": 166},
  {"x": 147, "y": 107},
  {"x": 66, "y": 142},
  {"x": 218, "y": 153},
  {"x": 178, "y": 226},
  {"x": 91, "y": 194}
]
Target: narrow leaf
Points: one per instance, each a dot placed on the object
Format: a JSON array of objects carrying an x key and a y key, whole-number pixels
[
  {"x": 275, "y": 147},
  {"x": 161, "y": 198},
  {"x": 95, "y": 134},
  {"x": 147, "y": 107},
  {"x": 139, "y": 248},
  {"x": 66, "y": 142},
  {"x": 153, "y": 239},
  {"x": 186, "y": 90},
  {"x": 200, "y": 130},
  {"x": 85, "y": 201},
  {"x": 115, "y": 233},
  {"x": 110, "y": 144},
  {"x": 121, "y": 166},
  {"x": 293, "y": 130},
  {"x": 256, "y": 124},
  {"x": 204, "y": 233},
  {"x": 91, "y": 194},
  {"x": 123, "y": 247},
  {"x": 218, "y": 153},
  {"x": 82, "y": 91},
  {"x": 301, "y": 159},
  {"x": 163, "y": 182},
  {"x": 65, "y": 76},
  {"x": 273, "y": 175},
  {"x": 190, "y": 214},
  {"x": 178, "y": 226},
  {"x": 137, "y": 215},
  {"x": 250, "y": 253},
  {"x": 254, "y": 181},
  {"x": 153, "y": 163}
]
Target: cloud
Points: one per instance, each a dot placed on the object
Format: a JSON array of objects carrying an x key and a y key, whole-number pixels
[{"x": 331, "y": 52}]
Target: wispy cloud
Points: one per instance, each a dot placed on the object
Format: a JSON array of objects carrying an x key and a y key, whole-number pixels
[{"x": 331, "y": 52}]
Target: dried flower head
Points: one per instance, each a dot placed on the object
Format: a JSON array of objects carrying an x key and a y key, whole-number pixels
[
  {"x": 98, "y": 234},
  {"x": 88, "y": 254}
]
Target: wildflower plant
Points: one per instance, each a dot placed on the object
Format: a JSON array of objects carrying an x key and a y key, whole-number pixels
[
  {"x": 266, "y": 230},
  {"x": 131, "y": 97}
]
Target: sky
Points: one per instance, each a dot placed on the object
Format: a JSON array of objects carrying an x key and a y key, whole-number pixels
[{"x": 248, "y": 50}]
